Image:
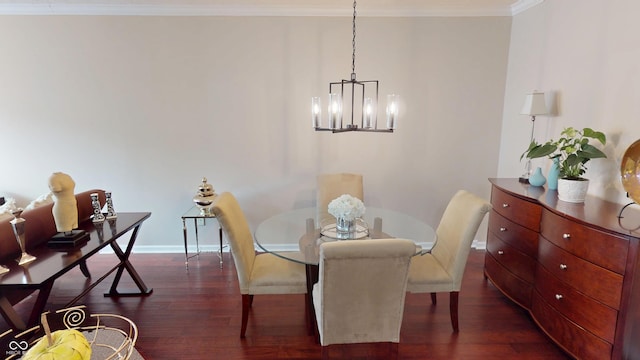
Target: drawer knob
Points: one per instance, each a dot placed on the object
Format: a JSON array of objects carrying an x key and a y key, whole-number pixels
[
  {"x": 559, "y": 297},
  {"x": 500, "y": 252},
  {"x": 505, "y": 205},
  {"x": 503, "y": 229},
  {"x": 563, "y": 267},
  {"x": 566, "y": 236}
]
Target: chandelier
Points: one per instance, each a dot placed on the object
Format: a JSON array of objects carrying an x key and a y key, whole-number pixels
[{"x": 357, "y": 98}]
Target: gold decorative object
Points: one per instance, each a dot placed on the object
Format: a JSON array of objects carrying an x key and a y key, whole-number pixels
[{"x": 630, "y": 173}]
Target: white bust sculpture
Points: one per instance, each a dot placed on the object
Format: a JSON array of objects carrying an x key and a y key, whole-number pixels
[{"x": 65, "y": 210}]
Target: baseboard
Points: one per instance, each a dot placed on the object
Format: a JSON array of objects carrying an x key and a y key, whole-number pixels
[{"x": 177, "y": 249}]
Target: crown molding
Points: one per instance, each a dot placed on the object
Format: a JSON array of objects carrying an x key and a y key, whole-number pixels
[{"x": 257, "y": 9}]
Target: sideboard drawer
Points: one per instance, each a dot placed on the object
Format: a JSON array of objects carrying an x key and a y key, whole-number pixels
[
  {"x": 525, "y": 240},
  {"x": 518, "y": 210},
  {"x": 592, "y": 280},
  {"x": 512, "y": 286},
  {"x": 518, "y": 263},
  {"x": 576, "y": 340},
  {"x": 592, "y": 315},
  {"x": 595, "y": 246}
]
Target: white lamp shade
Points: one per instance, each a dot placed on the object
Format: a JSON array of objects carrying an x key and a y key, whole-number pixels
[{"x": 534, "y": 104}]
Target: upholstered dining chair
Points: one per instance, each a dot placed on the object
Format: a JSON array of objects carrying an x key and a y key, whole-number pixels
[
  {"x": 330, "y": 186},
  {"x": 442, "y": 268},
  {"x": 257, "y": 273},
  {"x": 360, "y": 293}
]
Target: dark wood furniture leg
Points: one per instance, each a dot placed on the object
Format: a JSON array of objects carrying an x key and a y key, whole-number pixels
[
  {"x": 85, "y": 269},
  {"x": 9, "y": 314},
  {"x": 453, "y": 309},
  {"x": 123, "y": 256},
  {"x": 220, "y": 251},
  {"x": 312, "y": 272},
  {"x": 12, "y": 317}
]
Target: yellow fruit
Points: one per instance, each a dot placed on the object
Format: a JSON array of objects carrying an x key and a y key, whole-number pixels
[{"x": 66, "y": 345}]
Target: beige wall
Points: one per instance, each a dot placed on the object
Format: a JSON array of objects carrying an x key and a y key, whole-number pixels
[
  {"x": 586, "y": 55},
  {"x": 147, "y": 106}
]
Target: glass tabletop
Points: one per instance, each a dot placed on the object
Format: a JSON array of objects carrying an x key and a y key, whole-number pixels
[
  {"x": 294, "y": 235},
  {"x": 197, "y": 213}
]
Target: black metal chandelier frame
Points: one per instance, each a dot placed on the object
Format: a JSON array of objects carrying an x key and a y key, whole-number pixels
[{"x": 351, "y": 85}]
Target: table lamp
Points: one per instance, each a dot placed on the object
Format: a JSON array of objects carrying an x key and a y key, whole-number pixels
[{"x": 533, "y": 105}]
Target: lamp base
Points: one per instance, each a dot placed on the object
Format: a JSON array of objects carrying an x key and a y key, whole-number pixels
[
  {"x": 524, "y": 180},
  {"x": 68, "y": 239}
]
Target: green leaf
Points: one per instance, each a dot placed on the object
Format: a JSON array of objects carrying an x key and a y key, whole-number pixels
[
  {"x": 540, "y": 151},
  {"x": 591, "y": 152},
  {"x": 600, "y": 136}
]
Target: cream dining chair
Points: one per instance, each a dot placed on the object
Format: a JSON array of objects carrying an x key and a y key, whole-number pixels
[
  {"x": 442, "y": 268},
  {"x": 360, "y": 293},
  {"x": 331, "y": 186},
  {"x": 257, "y": 273}
]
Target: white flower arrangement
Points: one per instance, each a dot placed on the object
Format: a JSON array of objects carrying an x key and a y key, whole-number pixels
[{"x": 346, "y": 207}]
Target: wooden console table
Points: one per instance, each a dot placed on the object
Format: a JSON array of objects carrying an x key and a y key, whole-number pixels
[
  {"x": 574, "y": 267},
  {"x": 50, "y": 264}
]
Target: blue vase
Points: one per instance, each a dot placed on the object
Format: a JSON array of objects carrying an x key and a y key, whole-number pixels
[
  {"x": 537, "y": 179},
  {"x": 554, "y": 173}
]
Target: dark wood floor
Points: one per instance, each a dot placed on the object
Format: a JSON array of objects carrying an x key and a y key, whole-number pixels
[{"x": 196, "y": 315}]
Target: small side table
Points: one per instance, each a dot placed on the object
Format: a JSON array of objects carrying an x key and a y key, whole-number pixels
[{"x": 195, "y": 214}]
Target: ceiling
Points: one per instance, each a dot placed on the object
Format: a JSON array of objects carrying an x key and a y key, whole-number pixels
[{"x": 268, "y": 7}]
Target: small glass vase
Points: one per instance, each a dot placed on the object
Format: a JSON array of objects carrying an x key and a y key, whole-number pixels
[
  {"x": 537, "y": 179},
  {"x": 345, "y": 229},
  {"x": 554, "y": 173}
]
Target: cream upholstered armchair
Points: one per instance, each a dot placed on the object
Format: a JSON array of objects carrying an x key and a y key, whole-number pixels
[
  {"x": 359, "y": 297},
  {"x": 257, "y": 273},
  {"x": 330, "y": 186},
  {"x": 441, "y": 270}
]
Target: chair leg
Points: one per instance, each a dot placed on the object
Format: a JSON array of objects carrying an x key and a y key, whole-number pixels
[
  {"x": 246, "y": 304},
  {"x": 393, "y": 350},
  {"x": 325, "y": 353},
  {"x": 434, "y": 300},
  {"x": 453, "y": 309}
]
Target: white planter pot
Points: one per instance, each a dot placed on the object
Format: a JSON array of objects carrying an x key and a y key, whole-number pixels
[{"x": 573, "y": 191}]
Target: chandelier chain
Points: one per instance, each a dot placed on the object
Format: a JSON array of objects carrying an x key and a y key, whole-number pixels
[{"x": 353, "y": 42}]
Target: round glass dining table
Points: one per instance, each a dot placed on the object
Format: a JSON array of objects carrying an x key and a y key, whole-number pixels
[{"x": 294, "y": 235}]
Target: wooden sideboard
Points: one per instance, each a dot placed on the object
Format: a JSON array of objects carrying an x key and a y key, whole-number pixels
[{"x": 574, "y": 267}]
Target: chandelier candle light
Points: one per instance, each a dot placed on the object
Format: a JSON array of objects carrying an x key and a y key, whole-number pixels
[{"x": 366, "y": 93}]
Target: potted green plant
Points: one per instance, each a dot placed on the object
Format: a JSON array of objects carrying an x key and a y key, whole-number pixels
[{"x": 572, "y": 152}]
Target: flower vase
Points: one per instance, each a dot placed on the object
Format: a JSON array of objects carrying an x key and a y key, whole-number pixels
[
  {"x": 537, "y": 179},
  {"x": 345, "y": 229},
  {"x": 554, "y": 173}
]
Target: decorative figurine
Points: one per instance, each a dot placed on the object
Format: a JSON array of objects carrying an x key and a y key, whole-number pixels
[
  {"x": 18, "y": 229},
  {"x": 65, "y": 212},
  {"x": 204, "y": 198},
  {"x": 65, "y": 209},
  {"x": 111, "y": 213},
  {"x": 98, "y": 217}
]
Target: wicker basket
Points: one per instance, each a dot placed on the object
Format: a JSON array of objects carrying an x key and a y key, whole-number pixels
[{"x": 111, "y": 336}]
